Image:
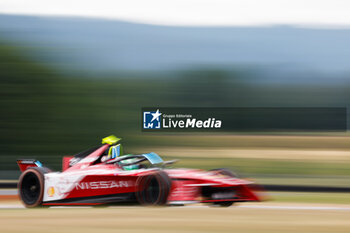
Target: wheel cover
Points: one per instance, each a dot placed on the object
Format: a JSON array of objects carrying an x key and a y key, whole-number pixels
[
  {"x": 152, "y": 191},
  {"x": 30, "y": 188}
]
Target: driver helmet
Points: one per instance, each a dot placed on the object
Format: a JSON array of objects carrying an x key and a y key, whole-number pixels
[{"x": 114, "y": 151}]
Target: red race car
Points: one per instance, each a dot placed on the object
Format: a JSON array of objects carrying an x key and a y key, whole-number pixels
[{"x": 102, "y": 175}]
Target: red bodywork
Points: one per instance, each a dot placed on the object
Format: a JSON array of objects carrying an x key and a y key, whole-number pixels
[{"x": 92, "y": 182}]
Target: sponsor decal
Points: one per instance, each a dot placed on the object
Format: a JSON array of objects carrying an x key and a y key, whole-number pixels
[
  {"x": 151, "y": 119},
  {"x": 51, "y": 191},
  {"x": 170, "y": 119},
  {"x": 102, "y": 185},
  {"x": 191, "y": 123},
  {"x": 221, "y": 119}
]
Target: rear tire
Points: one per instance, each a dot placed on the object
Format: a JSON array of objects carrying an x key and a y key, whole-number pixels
[
  {"x": 154, "y": 189},
  {"x": 31, "y": 186}
]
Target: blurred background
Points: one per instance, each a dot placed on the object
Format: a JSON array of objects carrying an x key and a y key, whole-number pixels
[{"x": 71, "y": 74}]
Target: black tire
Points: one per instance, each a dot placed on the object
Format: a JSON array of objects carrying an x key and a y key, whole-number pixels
[
  {"x": 222, "y": 204},
  {"x": 154, "y": 189},
  {"x": 225, "y": 172},
  {"x": 31, "y": 186}
]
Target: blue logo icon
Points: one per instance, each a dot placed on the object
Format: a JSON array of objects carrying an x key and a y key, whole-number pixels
[{"x": 151, "y": 120}]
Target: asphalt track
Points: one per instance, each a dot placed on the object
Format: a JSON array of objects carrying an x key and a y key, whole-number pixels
[
  {"x": 267, "y": 217},
  {"x": 264, "y": 217},
  {"x": 248, "y": 206}
]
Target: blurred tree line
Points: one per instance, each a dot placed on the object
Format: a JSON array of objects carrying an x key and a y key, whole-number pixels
[{"x": 47, "y": 113}]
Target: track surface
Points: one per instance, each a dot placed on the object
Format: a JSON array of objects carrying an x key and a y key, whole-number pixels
[
  {"x": 250, "y": 217},
  {"x": 276, "y": 207}
]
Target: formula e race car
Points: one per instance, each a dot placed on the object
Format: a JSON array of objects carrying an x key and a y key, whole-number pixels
[{"x": 103, "y": 175}]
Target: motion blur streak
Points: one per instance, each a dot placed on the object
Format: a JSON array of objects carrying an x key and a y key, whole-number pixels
[{"x": 67, "y": 82}]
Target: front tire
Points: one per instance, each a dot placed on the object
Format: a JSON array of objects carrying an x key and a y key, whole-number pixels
[{"x": 224, "y": 172}]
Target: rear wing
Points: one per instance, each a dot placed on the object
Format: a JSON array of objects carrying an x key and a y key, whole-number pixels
[{"x": 24, "y": 164}]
